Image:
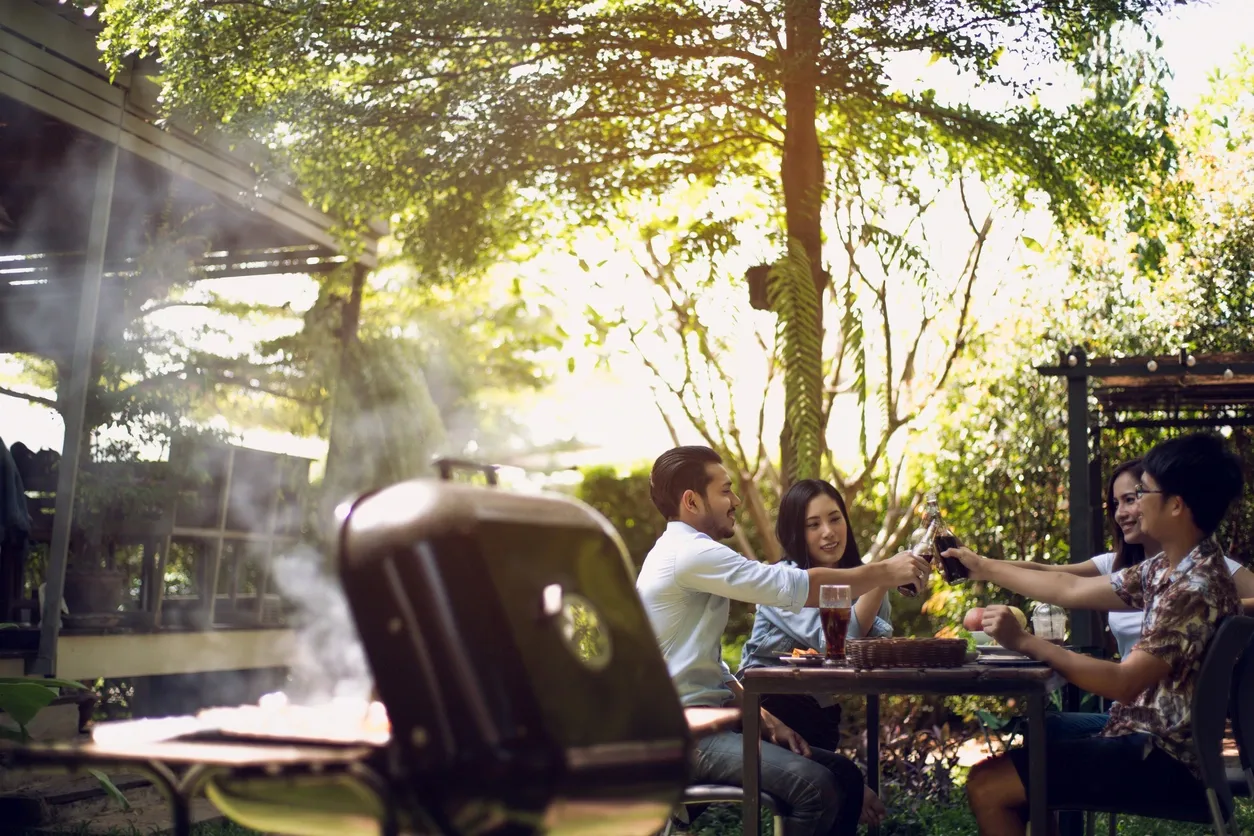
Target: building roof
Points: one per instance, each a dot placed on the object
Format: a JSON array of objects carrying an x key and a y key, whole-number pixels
[{"x": 221, "y": 201}]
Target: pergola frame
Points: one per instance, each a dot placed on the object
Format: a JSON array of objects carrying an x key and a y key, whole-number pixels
[
  {"x": 50, "y": 64},
  {"x": 1177, "y": 391}
]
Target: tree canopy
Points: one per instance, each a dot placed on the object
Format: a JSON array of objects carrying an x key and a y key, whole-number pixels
[
  {"x": 471, "y": 125},
  {"x": 441, "y": 112}
]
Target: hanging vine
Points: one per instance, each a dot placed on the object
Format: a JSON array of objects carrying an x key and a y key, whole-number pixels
[{"x": 795, "y": 301}]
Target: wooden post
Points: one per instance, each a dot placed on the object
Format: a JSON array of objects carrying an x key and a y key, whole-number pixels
[
  {"x": 74, "y": 413},
  {"x": 209, "y": 588}
]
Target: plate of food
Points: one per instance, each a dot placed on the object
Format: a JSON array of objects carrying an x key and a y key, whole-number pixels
[
  {"x": 1008, "y": 660},
  {"x": 804, "y": 659}
]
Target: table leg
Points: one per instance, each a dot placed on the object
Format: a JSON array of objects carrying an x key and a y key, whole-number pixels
[
  {"x": 873, "y": 749},
  {"x": 750, "y": 726},
  {"x": 1037, "y": 812}
]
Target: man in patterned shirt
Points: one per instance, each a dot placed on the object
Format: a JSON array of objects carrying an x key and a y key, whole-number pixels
[{"x": 1146, "y": 749}]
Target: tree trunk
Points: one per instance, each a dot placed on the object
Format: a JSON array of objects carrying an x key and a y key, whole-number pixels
[
  {"x": 342, "y": 476},
  {"x": 752, "y": 498},
  {"x": 801, "y": 171}
]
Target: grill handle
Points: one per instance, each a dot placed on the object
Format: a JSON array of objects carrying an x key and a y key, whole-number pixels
[{"x": 446, "y": 466}]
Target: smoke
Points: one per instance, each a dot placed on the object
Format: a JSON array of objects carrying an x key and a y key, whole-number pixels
[
  {"x": 392, "y": 426},
  {"x": 406, "y": 404},
  {"x": 329, "y": 661}
]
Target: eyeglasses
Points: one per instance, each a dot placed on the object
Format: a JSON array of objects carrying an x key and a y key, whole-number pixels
[{"x": 1141, "y": 491}]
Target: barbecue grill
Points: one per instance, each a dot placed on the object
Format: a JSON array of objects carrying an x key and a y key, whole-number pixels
[{"x": 524, "y": 688}]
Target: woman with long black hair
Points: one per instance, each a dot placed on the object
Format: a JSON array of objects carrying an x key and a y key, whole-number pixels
[{"x": 813, "y": 528}]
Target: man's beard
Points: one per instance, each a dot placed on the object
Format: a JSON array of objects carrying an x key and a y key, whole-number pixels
[{"x": 720, "y": 527}]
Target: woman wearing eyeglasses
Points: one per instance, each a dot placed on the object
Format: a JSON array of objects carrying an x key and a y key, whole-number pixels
[{"x": 1132, "y": 546}]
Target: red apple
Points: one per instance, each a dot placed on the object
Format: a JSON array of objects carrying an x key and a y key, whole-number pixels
[{"x": 974, "y": 619}]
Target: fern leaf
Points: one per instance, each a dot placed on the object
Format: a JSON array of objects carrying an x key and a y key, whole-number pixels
[{"x": 795, "y": 300}]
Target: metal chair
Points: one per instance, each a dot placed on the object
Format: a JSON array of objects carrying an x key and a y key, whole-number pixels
[
  {"x": 1209, "y": 714},
  {"x": 1241, "y": 708},
  {"x": 705, "y": 794}
]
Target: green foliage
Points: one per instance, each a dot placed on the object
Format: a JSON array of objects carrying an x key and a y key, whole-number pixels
[
  {"x": 21, "y": 701},
  {"x": 625, "y": 502},
  {"x": 733, "y": 647},
  {"x": 794, "y": 299},
  {"x": 444, "y": 115},
  {"x": 22, "y": 698},
  {"x": 908, "y": 817},
  {"x": 433, "y": 369},
  {"x": 1001, "y": 460},
  {"x": 110, "y": 788},
  {"x": 451, "y": 119}
]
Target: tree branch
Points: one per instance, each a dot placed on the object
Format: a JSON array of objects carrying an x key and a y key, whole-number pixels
[{"x": 13, "y": 393}]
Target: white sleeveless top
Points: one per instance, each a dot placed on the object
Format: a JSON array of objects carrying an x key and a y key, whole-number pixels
[{"x": 1125, "y": 626}]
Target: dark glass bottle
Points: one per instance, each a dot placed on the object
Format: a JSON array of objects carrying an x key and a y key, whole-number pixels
[{"x": 943, "y": 538}]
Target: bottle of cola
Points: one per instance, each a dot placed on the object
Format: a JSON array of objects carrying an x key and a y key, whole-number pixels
[
  {"x": 942, "y": 539},
  {"x": 917, "y": 539}
]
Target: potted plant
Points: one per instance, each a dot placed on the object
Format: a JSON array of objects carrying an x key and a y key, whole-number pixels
[{"x": 114, "y": 495}]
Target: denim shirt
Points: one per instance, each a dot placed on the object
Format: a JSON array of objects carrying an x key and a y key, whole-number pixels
[{"x": 777, "y": 632}]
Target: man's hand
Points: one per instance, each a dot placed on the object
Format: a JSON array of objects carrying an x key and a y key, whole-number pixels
[
  {"x": 776, "y": 732},
  {"x": 969, "y": 559},
  {"x": 873, "y": 810},
  {"x": 1001, "y": 624},
  {"x": 907, "y": 567}
]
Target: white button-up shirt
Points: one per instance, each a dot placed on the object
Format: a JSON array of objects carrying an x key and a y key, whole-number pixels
[{"x": 687, "y": 583}]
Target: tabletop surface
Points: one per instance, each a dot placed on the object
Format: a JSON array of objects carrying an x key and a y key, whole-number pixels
[
  {"x": 1030, "y": 676},
  {"x": 177, "y": 752}
]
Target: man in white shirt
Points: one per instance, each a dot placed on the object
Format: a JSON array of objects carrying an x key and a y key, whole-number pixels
[{"x": 687, "y": 583}]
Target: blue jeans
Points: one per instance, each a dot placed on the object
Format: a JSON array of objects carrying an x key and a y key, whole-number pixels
[
  {"x": 820, "y": 795},
  {"x": 1068, "y": 725}
]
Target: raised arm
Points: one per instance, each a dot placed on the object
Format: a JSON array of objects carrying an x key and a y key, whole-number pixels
[
  {"x": 1066, "y": 590},
  {"x": 897, "y": 570},
  {"x": 719, "y": 570},
  {"x": 1087, "y": 569}
]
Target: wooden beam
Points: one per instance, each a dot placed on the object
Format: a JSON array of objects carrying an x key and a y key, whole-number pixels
[
  {"x": 69, "y": 82},
  {"x": 161, "y": 654},
  {"x": 209, "y": 592},
  {"x": 45, "y": 662}
]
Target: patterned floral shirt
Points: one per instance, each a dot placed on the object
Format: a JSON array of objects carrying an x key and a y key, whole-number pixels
[{"x": 1182, "y": 609}]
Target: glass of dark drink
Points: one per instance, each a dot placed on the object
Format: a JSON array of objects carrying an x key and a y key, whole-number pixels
[
  {"x": 951, "y": 567},
  {"x": 835, "y": 610}
]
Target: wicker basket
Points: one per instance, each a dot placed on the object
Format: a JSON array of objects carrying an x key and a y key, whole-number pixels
[{"x": 906, "y": 653}]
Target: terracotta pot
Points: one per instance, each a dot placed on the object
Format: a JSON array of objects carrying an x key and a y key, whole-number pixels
[{"x": 93, "y": 590}]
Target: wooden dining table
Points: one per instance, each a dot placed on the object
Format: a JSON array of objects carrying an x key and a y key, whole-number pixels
[{"x": 1035, "y": 681}]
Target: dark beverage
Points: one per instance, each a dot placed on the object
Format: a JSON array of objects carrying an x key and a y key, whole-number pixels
[
  {"x": 921, "y": 545},
  {"x": 951, "y": 567},
  {"x": 835, "y": 628}
]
